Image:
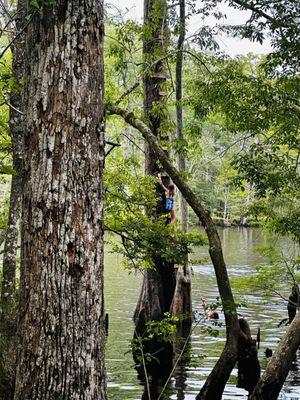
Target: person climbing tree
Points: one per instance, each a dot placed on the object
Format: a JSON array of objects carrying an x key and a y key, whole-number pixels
[{"x": 170, "y": 194}]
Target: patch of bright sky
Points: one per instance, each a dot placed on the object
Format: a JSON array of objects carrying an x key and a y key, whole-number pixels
[{"x": 133, "y": 9}]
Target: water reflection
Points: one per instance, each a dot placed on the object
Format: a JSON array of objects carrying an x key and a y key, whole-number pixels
[{"x": 121, "y": 295}]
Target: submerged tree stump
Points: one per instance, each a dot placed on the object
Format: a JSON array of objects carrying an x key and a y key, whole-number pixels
[
  {"x": 182, "y": 301},
  {"x": 248, "y": 364},
  {"x": 294, "y": 303}
]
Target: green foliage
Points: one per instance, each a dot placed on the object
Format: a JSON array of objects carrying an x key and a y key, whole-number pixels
[
  {"x": 275, "y": 20},
  {"x": 203, "y": 139},
  {"x": 263, "y": 115},
  {"x": 278, "y": 276},
  {"x": 245, "y": 98},
  {"x": 241, "y": 126},
  {"x": 165, "y": 329},
  {"x": 142, "y": 239},
  {"x": 158, "y": 14},
  {"x": 123, "y": 43},
  {"x": 268, "y": 278},
  {"x": 212, "y": 331},
  {"x": 159, "y": 331},
  {"x": 123, "y": 59}
]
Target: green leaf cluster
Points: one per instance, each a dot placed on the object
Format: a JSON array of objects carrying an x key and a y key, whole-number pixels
[{"x": 143, "y": 239}]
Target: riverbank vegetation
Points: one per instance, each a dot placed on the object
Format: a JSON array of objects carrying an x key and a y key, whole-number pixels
[{"x": 94, "y": 133}]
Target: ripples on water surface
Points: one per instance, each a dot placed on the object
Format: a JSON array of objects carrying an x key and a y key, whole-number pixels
[{"x": 122, "y": 290}]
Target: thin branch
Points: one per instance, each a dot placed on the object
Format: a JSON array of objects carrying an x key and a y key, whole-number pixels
[
  {"x": 145, "y": 372},
  {"x": 118, "y": 41},
  {"x": 10, "y": 105},
  {"x": 113, "y": 145},
  {"x": 5, "y": 10},
  {"x": 127, "y": 92},
  {"x": 129, "y": 256},
  {"x": 229, "y": 147},
  {"x": 131, "y": 141},
  {"x": 198, "y": 59},
  {"x": 107, "y": 228},
  {"x": 257, "y": 11},
  {"x": 126, "y": 200},
  {"x": 291, "y": 273},
  {"x": 8, "y": 23},
  {"x": 17, "y": 36},
  {"x": 149, "y": 66}
]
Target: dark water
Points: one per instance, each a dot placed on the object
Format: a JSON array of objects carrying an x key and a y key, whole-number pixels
[{"x": 122, "y": 290}]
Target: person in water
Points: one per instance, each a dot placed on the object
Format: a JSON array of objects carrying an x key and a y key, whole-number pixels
[{"x": 170, "y": 194}]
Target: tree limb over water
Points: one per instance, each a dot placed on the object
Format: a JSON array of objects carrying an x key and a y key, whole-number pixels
[{"x": 213, "y": 388}]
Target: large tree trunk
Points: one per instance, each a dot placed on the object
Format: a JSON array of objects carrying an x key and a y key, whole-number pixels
[
  {"x": 61, "y": 332},
  {"x": 158, "y": 284}
]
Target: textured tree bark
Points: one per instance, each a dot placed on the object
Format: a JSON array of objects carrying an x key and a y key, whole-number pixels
[
  {"x": 182, "y": 301},
  {"x": 154, "y": 47},
  {"x": 158, "y": 284},
  {"x": 61, "y": 331}
]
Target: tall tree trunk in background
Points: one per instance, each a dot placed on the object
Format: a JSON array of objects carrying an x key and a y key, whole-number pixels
[
  {"x": 8, "y": 317},
  {"x": 179, "y": 67},
  {"x": 61, "y": 331},
  {"x": 159, "y": 283},
  {"x": 8, "y": 289},
  {"x": 182, "y": 300}
]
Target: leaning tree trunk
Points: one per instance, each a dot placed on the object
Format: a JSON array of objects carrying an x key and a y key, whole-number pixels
[
  {"x": 216, "y": 381},
  {"x": 273, "y": 378},
  {"x": 159, "y": 283},
  {"x": 61, "y": 332}
]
